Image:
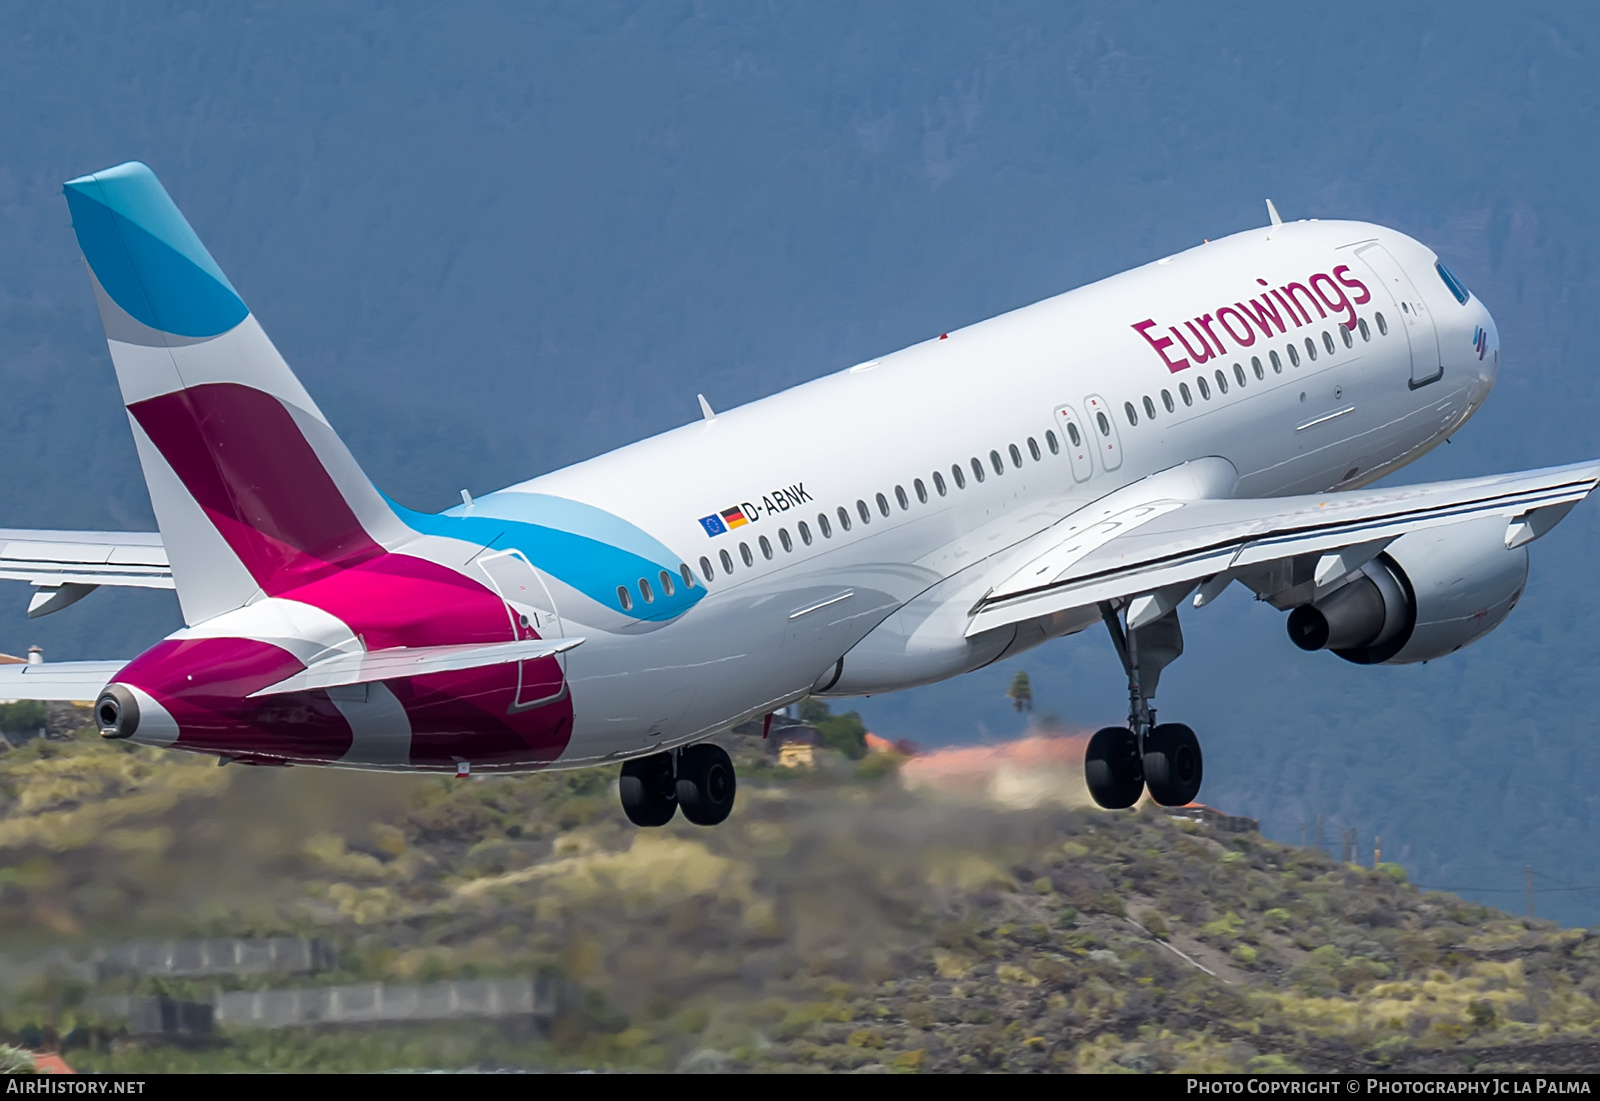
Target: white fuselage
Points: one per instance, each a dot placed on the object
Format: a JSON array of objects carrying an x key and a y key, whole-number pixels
[{"x": 775, "y": 626}]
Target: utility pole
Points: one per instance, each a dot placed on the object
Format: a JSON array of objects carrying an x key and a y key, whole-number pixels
[
  {"x": 1377, "y": 852},
  {"x": 1319, "y": 831},
  {"x": 1528, "y": 869}
]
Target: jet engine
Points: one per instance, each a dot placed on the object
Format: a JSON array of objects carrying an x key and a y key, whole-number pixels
[{"x": 1429, "y": 594}]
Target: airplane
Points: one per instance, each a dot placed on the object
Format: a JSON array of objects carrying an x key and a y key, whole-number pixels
[{"x": 1104, "y": 457}]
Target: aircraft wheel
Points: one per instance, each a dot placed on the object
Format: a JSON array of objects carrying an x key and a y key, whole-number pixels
[
  {"x": 649, "y": 790},
  {"x": 706, "y": 784},
  {"x": 1172, "y": 765},
  {"x": 1112, "y": 769}
]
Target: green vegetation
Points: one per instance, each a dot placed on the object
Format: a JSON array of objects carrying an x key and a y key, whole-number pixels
[
  {"x": 1020, "y": 693},
  {"x": 836, "y": 921},
  {"x": 845, "y": 733},
  {"x": 26, "y": 716}
]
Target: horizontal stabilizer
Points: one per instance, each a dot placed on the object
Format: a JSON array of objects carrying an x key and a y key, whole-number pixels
[
  {"x": 57, "y": 680},
  {"x": 52, "y": 558},
  {"x": 413, "y": 661}
]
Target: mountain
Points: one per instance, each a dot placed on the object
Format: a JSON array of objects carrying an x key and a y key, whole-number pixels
[{"x": 498, "y": 240}]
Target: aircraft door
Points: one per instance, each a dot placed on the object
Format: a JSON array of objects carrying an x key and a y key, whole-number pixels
[
  {"x": 1107, "y": 440},
  {"x": 1079, "y": 447},
  {"x": 1410, "y": 314},
  {"x": 532, "y": 614}
]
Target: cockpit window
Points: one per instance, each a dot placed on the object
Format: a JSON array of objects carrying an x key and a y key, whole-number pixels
[{"x": 1450, "y": 280}]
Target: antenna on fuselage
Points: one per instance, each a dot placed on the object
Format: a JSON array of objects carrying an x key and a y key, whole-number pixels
[
  {"x": 705, "y": 408},
  {"x": 1272, "y": 212}
]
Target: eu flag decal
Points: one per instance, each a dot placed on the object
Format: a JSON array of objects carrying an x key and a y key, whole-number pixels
[{"x": 713, "y": 524}]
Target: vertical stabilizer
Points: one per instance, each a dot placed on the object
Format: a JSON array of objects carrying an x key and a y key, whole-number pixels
[{"x": 252, "y": 490}]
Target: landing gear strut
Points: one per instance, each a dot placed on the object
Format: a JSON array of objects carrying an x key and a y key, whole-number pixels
[
  {"x": 698, "y": 779},
  {"x": 1164, "y": 758}
]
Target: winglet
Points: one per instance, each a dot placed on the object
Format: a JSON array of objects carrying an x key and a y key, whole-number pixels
[
  {"x": 705, "y": 408},
  {"x": 1272, "y": 212}
]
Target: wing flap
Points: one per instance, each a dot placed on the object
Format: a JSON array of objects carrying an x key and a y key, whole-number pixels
[
  {"x": 1193, "y": 540},
  {"x": 52, "y": 558},
  {"x": 412, "y": 661}
]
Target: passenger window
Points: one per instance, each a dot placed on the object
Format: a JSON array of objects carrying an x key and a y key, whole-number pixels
[
  {"x": 883, "y": 504},
  {"x": 705, "y": 569},
  {"x": 1344, "y": 335},
  {"x": 625, "y": 598},
  {"x": 645, "y": 590},
  {"x": 1383, "y": 326},
  {"x": 1050, "y": 442},
  {"x": 666, "y": 583},
  {"x": 1238, "y": 374},
  {"x": 1327, "y": 341},
  {"x": 961, "y": 479},
  {"x": 1183, "y": 392},
  {"x": 1149, "y": 408},
  {"x": 901, "y": 499},
  {"x": 994, "y": 461},
  {"x": 1311, "y": 348},
  {"x": 805, "y": 532},
  {"x": 922, "y": 490},
  {"x": 977, "y": 471},
  {"x": 687, "y": 574},
  {"x": 1105, "y": 424},
  {"x": 1277, "y": 364},
  {"x": 1366, "y": 333},
  {"x": 1072, "y": 435},
  {"x": 823, "y": 525},
  {"x": 744, "y": 553},
  {"x": 1166, "y": 400},
  {"x": 1222, "y": 381},
  {"x": 844, "y": 519},
  {"x": 784, "y": 541},
  {"x": 766, "y": 548},
  {"x": 863, "y": 512},
  {"x": 1033, "y": 449},
  {"x": 1205, "y": 387},
  {"x": 727, "y": 561},
  {"x": 1255, "y": 365},
  {"x": 1127, "y": 408},
  {"x": 1016, "y": 456},
  {"x": 1294, "y": 357},
  {"x": 938, "y": 483}
]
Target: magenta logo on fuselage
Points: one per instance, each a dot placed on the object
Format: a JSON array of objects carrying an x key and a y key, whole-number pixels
[{"x": 1268, "y": 314}]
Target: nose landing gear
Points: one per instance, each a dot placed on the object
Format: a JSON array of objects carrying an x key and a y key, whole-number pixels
[{"x": 1165, "y": 759}]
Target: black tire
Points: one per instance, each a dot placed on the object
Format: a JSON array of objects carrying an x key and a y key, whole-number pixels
[
  {"x": 1112, "y": 769},
  {"x": 706, "y": 784},
  {"x": 649, "y": 790},
  {"x": 1173, "y": 767}
]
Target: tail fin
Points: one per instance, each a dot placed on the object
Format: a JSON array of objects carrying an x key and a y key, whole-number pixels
[{"x": 251, "y": 488}]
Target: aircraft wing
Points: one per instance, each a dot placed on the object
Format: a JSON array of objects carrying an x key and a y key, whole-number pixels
[
  {"x": 1155, "y": 552},
  {"x": 66, "y": 566},
  {"x": 59, "y": 680}
]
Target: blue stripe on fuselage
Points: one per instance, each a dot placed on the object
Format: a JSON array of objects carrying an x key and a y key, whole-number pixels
[{"x": 587, "y": 548}]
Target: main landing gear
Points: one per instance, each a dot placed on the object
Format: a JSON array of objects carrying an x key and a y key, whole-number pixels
[
  {"x": 698, "y": 779},
  {"x": 1123, "y": 762}
]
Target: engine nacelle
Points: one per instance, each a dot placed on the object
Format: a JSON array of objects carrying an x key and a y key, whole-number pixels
[{"x": 1429, "y": 594}]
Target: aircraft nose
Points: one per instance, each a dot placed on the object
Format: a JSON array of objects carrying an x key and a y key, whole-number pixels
[{"x": 1486, "y": 348}]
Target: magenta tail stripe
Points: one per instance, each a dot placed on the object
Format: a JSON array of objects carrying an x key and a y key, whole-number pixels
[{"x": 239, "y": 452}]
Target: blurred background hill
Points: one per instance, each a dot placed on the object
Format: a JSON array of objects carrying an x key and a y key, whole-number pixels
[
  {"x": 872, "y": 912},
  {"x": 494, "y": 240}
]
